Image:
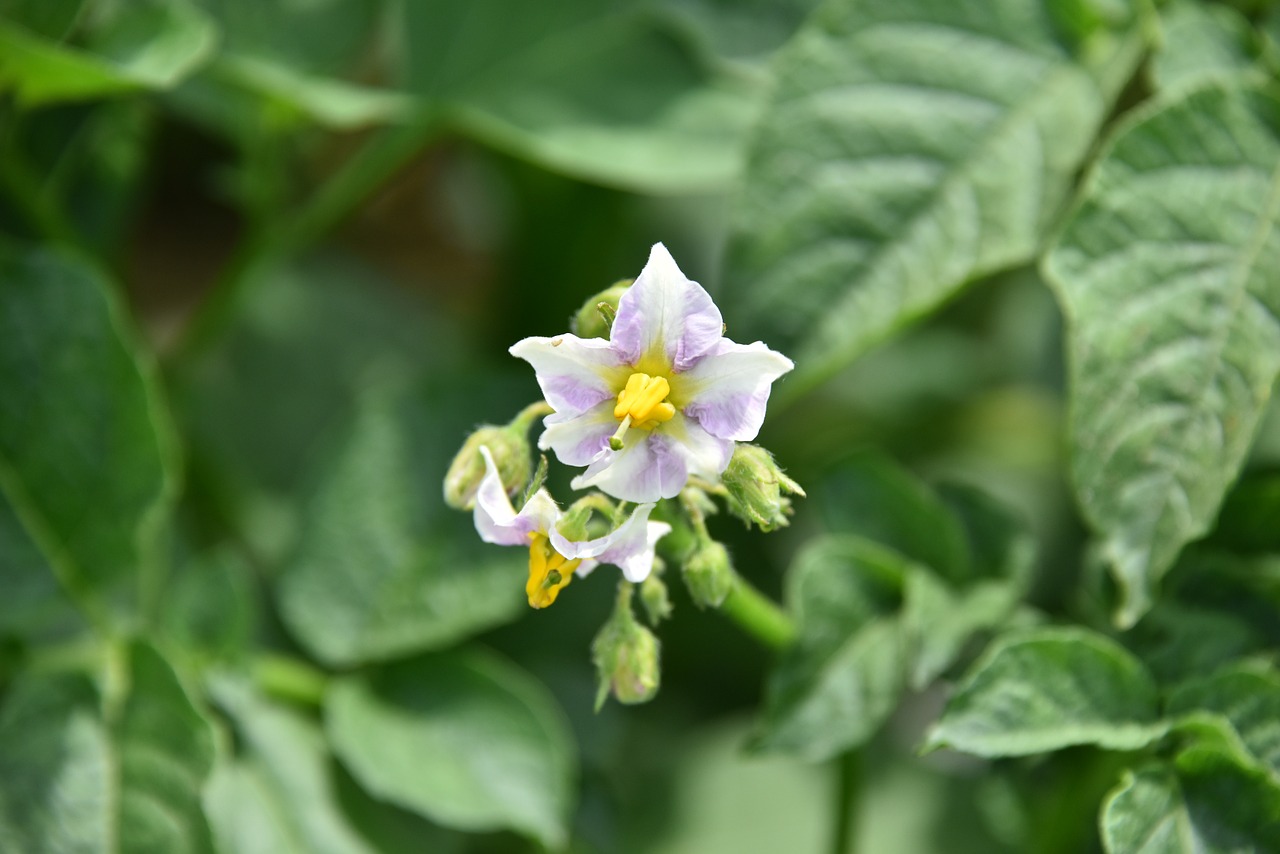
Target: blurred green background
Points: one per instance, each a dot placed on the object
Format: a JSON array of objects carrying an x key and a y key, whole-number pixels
[{"x": 266, "y": 259}]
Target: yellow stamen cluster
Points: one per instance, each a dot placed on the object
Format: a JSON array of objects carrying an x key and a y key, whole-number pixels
[
  {"x": 549, "y": 571},
  {"x": 642, "y": 403}
]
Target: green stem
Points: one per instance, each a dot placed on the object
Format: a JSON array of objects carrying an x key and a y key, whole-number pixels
[
  {"x": 525, "y": 418},
  {"x": 845, "y": 807},
  {"x": 758, "y": 615},
  {"x": 290, "y": 679},
  {"x": 364, "y": 172}
]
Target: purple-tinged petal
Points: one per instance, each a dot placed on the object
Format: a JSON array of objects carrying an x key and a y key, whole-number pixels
[
  {"x": 705, "y": 455},
  {"x": 579, "y": 439},
  {"x": 498, "y": 522},
  {"x": 633, "y": 549},
  {"x": 574, "y": 373},
  {"x": 729, "y": 389},
  {"x": 649, "y": 467},
  {"x": 665, "y": 315}
]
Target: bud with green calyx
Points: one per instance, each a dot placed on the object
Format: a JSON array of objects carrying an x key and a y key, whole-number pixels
[
  {"x": 708, "y": 573},
  {"x": 653, "y": 595},
  {"x": 595, "y": 318},
  {"x": 625, "y": 654},
  {"x": 511, "y": 452},
  {"x": 757, "y": 489},
  {"x": 577, "y": 524}
]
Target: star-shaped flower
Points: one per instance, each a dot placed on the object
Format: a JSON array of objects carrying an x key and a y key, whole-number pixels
[
  {"x": 665, "y": 397},
  {"x": 553, "y": 558}
]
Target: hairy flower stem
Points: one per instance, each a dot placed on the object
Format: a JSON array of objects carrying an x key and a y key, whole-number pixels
[
  {"x": 758, "y": 615},
  {"x": 525, "y": 418}
]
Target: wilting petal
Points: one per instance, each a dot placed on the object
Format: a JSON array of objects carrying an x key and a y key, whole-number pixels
[
  {"x": 729, "y": 388},
  {"x": 649, "y": 467},
  {"x": 579, "y": 438},
  {"x": 574, "y": 373},
  {"x": 665, "y": 313},
  {"x": 498, "y": 522}
]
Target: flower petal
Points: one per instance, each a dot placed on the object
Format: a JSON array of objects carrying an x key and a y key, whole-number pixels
[
  {"x": 574, "y": 373},
  {"x": 633, "y": 549},
  {"x": 649, "y": 467},
  {"x": 705, "y": 455},
  {"x": 729, "y": 388},
  {"x": 498, "y": 522},
  {"x": 665, "y": 314},
  {"x": 579, "y": 439}
]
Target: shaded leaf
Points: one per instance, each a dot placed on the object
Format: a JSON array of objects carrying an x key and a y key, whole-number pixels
[
  {"x": 1205, "y": 804},
  {"x": 279, "y": 795},
  {"x": 365, "y": 583},
  {"x": 72, "y": 781},
  {"x": 142, "y": 44},
  {"x": 1046, "y": 689},
  {"x": 85, "y": 443},
  {"x": 596, "y": 90},
  {"x": 1200, "y": 42},
  {"x": 844, "y": 674},
  {"x": 1248, "y": 696},
  {"x": 462, "y": 738},
  {"x": 1164, "y": 273},
  {"x": 908, "y": 148}
]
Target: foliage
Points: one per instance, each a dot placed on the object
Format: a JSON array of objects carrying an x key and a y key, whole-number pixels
[{"x": 259, "y": 265}]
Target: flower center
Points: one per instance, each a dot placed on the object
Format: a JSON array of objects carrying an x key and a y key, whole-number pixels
[
  {"x": 549, "y": 571},
  {"x": 641, "y": 403}
]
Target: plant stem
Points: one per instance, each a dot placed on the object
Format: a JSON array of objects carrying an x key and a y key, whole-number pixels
[
  {"x": 845, "y": 807},
  {"x": 758, "y": 615},
  {"x": 289, "y": 679}
]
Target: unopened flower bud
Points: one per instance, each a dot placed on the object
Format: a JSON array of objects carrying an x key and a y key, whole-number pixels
[
  {"x": 756, "y": 488},
  {"x": 708, "y": 574},
  {"x": 595, "y": 317},
  {"x": 509, "y": 446},
  {"x": 653, "y": 595},
  {"x": 626, "y": 656}
]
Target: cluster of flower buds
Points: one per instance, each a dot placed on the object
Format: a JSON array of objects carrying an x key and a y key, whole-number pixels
[{"x": 650, "y": 399}]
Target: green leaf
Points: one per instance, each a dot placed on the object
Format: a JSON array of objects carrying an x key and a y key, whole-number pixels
[
  {"x": 1200, "y": 42},
  {"x": 941, "y": 620},
  {"x": 873, "y": 497},
  {"x": 72, "y": 781},
  {"x": 908, "y": 148},
  {"x": 1248, "y": 696},
  {"x": 741, "y": 31},
  {"x": 595, "y": 90},
  {"x": 33, "y": 604},
  {"x": 211, "y": 608},
  {"x": 86, "y": 454},
  {"x": 1046, "y": 689},
  {"x": 278, "y": 796},
  {"x": 843, "y": 676},
  {"x": 142, "y": 44},
  {"x": 462, "y": 738},
  {"x": 1164, "y": 273},
  {"x": 1205, "y": 804},
  {"x": 364, "y": 583}
]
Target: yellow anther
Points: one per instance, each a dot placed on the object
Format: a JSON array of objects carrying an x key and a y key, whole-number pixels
[
  {"x": 549, "y": 572},
  {"x": 644, "y": 400}
]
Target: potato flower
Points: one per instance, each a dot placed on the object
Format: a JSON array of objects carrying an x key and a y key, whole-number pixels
[
  {"x": 664, "y": 398},
  {"x": 554, "y": 558}
]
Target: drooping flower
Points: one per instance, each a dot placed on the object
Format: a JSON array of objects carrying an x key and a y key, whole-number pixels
[
  {"x": 664, "y": 398},
  {"x": 554, "y": 559}
]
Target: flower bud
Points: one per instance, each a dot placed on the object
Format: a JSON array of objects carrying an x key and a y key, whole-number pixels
[
  {"x": 708, "y": 574},
  {"x": 511, "y": 454},
  {"x": 653, "y": 595},
  {"x": 626, "y": 657},
  {"x": 595, "y": 318},
  {"x": 755, "y": 487}
]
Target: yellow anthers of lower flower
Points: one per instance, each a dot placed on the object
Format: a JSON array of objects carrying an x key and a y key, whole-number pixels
[{"x": 549, "y": 571}]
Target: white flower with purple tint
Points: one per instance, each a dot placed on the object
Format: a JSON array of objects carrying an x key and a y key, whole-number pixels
[
  {"x": 553, "y": 558},
  {"x": 666, "y": 397}
]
